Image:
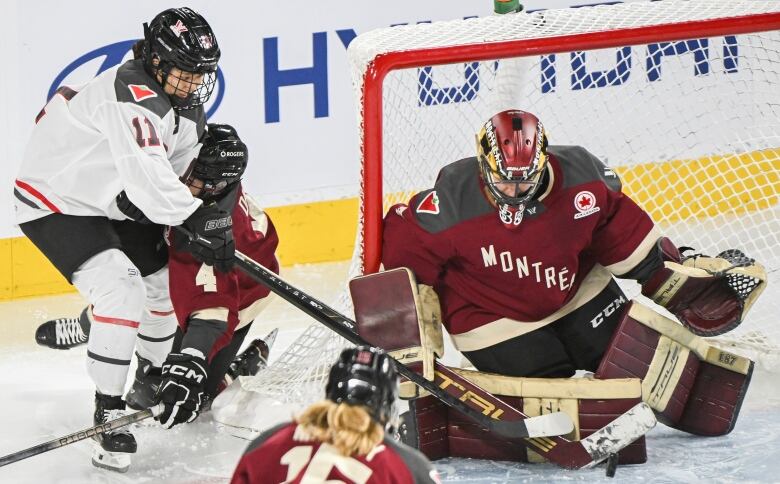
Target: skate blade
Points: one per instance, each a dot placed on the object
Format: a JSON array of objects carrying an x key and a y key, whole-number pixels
[{"x": 113, "y": 461}]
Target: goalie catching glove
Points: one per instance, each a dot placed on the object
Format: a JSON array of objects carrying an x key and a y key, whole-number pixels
[
  {"x": 181, "y": 391},
  {"x": 709, "y": 295}
]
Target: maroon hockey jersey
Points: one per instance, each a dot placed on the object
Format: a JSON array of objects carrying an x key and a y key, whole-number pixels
[
  {"x": 286, "y": 454},
  {"x": 195, "y": 286},
  {"x": 492, "y": 280}
]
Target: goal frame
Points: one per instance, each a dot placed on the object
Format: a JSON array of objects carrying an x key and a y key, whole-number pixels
[{"x": 381, "y": 65}]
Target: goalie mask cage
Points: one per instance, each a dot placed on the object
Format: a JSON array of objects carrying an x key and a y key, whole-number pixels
[{"x": 680, "y": 98}]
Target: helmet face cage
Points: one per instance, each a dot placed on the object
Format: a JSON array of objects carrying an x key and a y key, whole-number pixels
[
  {"x": 512, "y": 154},
  {"x": 365, "y": 376},
  {"x": 181, "y": 48},
  {"x": 190, "y": 90},
  {"x": 221, "y": 162}
]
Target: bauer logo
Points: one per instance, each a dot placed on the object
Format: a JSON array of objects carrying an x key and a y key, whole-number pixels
[
  {"x": 85, "y": 67},
  {"x": 219, "y": 223}
]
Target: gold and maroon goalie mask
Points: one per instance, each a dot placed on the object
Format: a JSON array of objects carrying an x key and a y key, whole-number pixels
[{"x": 512, "y": 154}]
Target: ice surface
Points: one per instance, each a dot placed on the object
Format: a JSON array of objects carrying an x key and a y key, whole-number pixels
[{"x": 46, "y": 394}]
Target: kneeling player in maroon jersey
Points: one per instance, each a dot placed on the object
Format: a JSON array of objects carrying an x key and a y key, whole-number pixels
[
  {"x": 342, "y": 438},
  {"x": 522, "y": 243},
  {"x": 214, "y": 304}
]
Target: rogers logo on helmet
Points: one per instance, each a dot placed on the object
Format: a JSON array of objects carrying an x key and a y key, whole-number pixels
[{"x": 231, "y": 153}]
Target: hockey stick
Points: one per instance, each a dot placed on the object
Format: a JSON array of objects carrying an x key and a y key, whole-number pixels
[
  {"x": 481, "y": 406},
  {"x": 551, "y": 424},
  {"x": 469, "y": 399},
  {"x": 81, "y": 435}
]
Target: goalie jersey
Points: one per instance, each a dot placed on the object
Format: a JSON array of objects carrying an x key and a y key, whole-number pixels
[
  {"x": 285, "y": 454},
  {"x": 195, "y": 286},
  {"x": 117, "y": 132},
  {"x": 578, "y": 232}
]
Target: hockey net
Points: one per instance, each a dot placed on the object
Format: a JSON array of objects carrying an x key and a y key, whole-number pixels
[{"x": 680, "y": 98}]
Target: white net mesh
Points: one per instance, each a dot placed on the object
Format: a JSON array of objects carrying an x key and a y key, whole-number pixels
[{"x": 687, "y": 113}]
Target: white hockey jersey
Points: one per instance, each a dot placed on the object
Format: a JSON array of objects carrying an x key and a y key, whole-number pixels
[{"x": 117, "y": 132}]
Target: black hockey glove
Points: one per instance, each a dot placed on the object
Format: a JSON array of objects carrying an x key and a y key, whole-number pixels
[
  {"x": 216, "y": 227},
  {"x": 181, "y": 390},
  {"x": 130, "y": 210}
]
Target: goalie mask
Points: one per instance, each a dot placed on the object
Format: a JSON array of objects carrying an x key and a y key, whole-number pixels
[
  {"x": 221, "y": 162},
  {"x": 512, "y": 157},
  {"x": 181, "y": 38},
  {"x": 365, "y": 376}
]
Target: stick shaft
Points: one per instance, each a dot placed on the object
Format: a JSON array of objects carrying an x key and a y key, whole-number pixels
[
  {"x": 76, "y": 437},
  {"x": 511, "y": 426}
]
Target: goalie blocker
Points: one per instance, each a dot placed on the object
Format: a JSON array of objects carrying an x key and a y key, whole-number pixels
[
  {"x": 395, "y": 313},
  {"x": 691, "y": 385}
]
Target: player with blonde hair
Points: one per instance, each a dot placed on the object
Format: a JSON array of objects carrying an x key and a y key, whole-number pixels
[{"x": 342, "y": 438}]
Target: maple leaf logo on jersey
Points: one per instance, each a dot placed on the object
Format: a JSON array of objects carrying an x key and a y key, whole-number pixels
[
  {"x": 141, "y": 92},
  {"x": 179, "y": 28},
  {"x": 429, "y": 204},
  {"x": 585, "y": 203}
]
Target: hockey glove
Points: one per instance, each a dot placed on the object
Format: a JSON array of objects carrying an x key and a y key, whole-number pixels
[
  {"x": 215, "y": 226},
  {"x": 181, "y": 390},
  {"x": 130, "y": 210}
]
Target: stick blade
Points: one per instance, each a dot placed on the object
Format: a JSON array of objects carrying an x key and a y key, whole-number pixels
[
  {"x": 270, "y": 338},
  {"x": 619, "y": 433},
  {"x": 549, "y": 425}
]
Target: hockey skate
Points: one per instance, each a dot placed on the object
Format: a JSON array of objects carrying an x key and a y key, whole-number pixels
[
  {"x": 250, "y": 361},
  {"x": 147, "y": 380},
  {"x": 64, "y": 333},
  {"x": 254, "y": 358},
  {"x": 113, "y": 448}
]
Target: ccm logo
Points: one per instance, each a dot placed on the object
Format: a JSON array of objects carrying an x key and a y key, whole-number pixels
[
  {"x": 219, "y": 223},
  {"x": 607, "y": 311},
  {"x": 187, "y": 373}
]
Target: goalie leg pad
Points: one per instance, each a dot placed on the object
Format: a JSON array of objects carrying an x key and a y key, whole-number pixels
[
  {"x": 394, "y": 313},
  {"x": 691, "y": 385},
  {"x": 424, "y": 427},
  {"x": 592, "y": 404}
]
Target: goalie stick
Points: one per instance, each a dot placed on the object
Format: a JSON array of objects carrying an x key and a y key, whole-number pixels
[
  {"x": 481, "y": 406},
  {"x": 81, "y": 435}
]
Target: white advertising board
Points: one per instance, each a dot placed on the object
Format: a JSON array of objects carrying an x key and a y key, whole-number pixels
[{"x": 284, "y": 84}]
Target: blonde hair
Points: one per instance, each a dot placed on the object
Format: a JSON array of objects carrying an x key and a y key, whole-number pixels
[{"x": 349, "y": 428}]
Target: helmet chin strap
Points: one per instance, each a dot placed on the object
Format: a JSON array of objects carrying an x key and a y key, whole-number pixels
[{"x": 511, "y": 215}]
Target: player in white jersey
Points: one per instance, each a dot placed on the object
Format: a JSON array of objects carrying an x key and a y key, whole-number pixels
[{"x": 100, "y": 155}]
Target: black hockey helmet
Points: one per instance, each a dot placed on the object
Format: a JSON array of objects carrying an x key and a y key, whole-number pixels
[
  {"x": 364, "y": 376},
  {"x": 221, "y": 162},
  {"x": 181, "y": 38}
]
